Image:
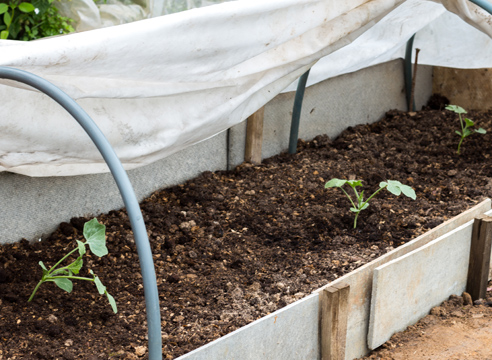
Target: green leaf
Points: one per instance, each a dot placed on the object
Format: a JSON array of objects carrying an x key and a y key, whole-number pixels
[
  {"x": 42, "y": 265},
  {"x": 481, "y": 131},
  {"x": 383, "y": 184},
  {"x": 457, "y": 132},
  {"x": 466, "y": 132},
  {"x": 7, "y": 19},
  {"x": 354, "y": 183},
  {"x": 3, "y": 8},
  {"x": 408, "y": 191},
  {"x": 94, "y": 233},
  {"x": 457, "y": 109},
  {"x": 63, "y": 272},
  {"x": 42, "y": 5},
  {"x": 112, "y": 302},
  {"x": 335, "y": 183},
  {"x": 394, "y": 189},
  {"x": 76, "y": 265},
  {"x": 81, "y": 246},
  {"x": 469, "y": 122},
  {"x": 100, "y": 287},
  {"x": 64, "y": 284},
  {"x": 360, "y": 199},
  {"x": 364, "y": 207},
  {"x": 26, "y": 7},
  {"x": 4, "y": 35},
  {"x": 354, "y": 210},
  {"x": 45, "y": 270}
]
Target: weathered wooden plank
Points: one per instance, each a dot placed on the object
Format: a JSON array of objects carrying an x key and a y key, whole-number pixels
[
  {"x": 420, "y": 280},
  {"x": 333, "y": 312},
  {"x": 254, "y": 137},
  {"x": 478, "y": 269}
]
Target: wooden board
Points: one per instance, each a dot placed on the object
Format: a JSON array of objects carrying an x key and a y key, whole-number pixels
[
  {"x": 333, "y": 312},
  {"x": 254, "y": 137},
  {"x": 479, "y": 266}
]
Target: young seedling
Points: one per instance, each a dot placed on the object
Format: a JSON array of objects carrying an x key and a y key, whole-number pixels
[
  {"x": 94, "y": 234},
  {"x": 465, "y": 123},
  {"x": 393, "y": 186}
]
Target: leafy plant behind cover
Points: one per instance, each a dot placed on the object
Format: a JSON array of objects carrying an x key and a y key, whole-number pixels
[
  {"x": 393, "y": 186},
  {"x": 465, "y": 123},
  {"x": 32, "y": 19},
  {"x": 95, "y": 236}
]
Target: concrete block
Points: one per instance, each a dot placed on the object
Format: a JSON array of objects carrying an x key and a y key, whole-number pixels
[
  {"x": 289, "y": 333},
  {"x": 407, "y": 288},
  {"x": 360, "y": 281},
  {"x": 33, "y": 207}
]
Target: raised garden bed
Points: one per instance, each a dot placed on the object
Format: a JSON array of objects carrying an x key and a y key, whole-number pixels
[{"x": 231, "y": 247}]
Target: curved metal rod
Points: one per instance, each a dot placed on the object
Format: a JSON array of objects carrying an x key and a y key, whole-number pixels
[
  {"x": 296, "y": 113},
  {"x": 408, "y": 73},
  {"x": 487, "y": 6},
  {"x": 127, "y": 193}
]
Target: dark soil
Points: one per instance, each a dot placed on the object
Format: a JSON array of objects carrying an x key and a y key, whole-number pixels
[{"x": 231, "y": 247}]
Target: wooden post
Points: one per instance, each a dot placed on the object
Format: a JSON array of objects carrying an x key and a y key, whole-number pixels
[
  {"x": 333, "y": 313},
  {"x": 478, "y": 269},
  {"x": 254, "y": 137}
]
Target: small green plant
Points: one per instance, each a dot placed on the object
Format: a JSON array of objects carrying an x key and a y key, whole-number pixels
[
  {"x": 393, "y": 186},
  {"x": 465, "y": 123},
  {"x": 95, "y": 236}
]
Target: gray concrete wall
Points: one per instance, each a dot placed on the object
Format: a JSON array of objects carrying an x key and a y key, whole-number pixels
[
  {"x": 33, "y": 207},
  {"x": 335, "y": 104}
]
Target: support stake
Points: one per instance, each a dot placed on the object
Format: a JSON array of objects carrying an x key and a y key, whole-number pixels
[
  {"x": 254, "y": 137},
  {"x": 333, "y": 313},
  {"x": 296, "y": 113},
  {"x": 408, "y": 73},
  {"x": 478, "y": 269},
  {"x": 414, "y": 79}
]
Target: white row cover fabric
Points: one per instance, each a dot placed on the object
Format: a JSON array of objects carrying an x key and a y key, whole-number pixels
[
  {"x": 158, "y": 85},
  {"x": 89, "y": 14}
]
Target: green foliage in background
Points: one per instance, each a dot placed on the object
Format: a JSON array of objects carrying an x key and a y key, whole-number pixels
[{"x": 31, "y": 20}]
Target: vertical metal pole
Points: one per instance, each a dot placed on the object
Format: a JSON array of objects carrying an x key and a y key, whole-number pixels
[
  {"x": 127, "y": 193},
  {"x": 296, "y": 113},
  {"x": 408, "y": 74}
]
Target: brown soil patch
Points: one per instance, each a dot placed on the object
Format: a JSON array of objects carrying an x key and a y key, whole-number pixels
[
  {"x": 453, "y": 330},
  {"x": 231, "y": 247}
]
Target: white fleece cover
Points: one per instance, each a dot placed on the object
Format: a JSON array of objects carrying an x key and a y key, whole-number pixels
[{"x": 158, "y": 85}]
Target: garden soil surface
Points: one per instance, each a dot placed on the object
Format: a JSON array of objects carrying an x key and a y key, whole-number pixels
[{"x": 231, "y": 247}]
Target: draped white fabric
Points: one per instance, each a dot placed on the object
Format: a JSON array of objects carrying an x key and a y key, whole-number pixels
[{"x": 158, "y": 85}]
